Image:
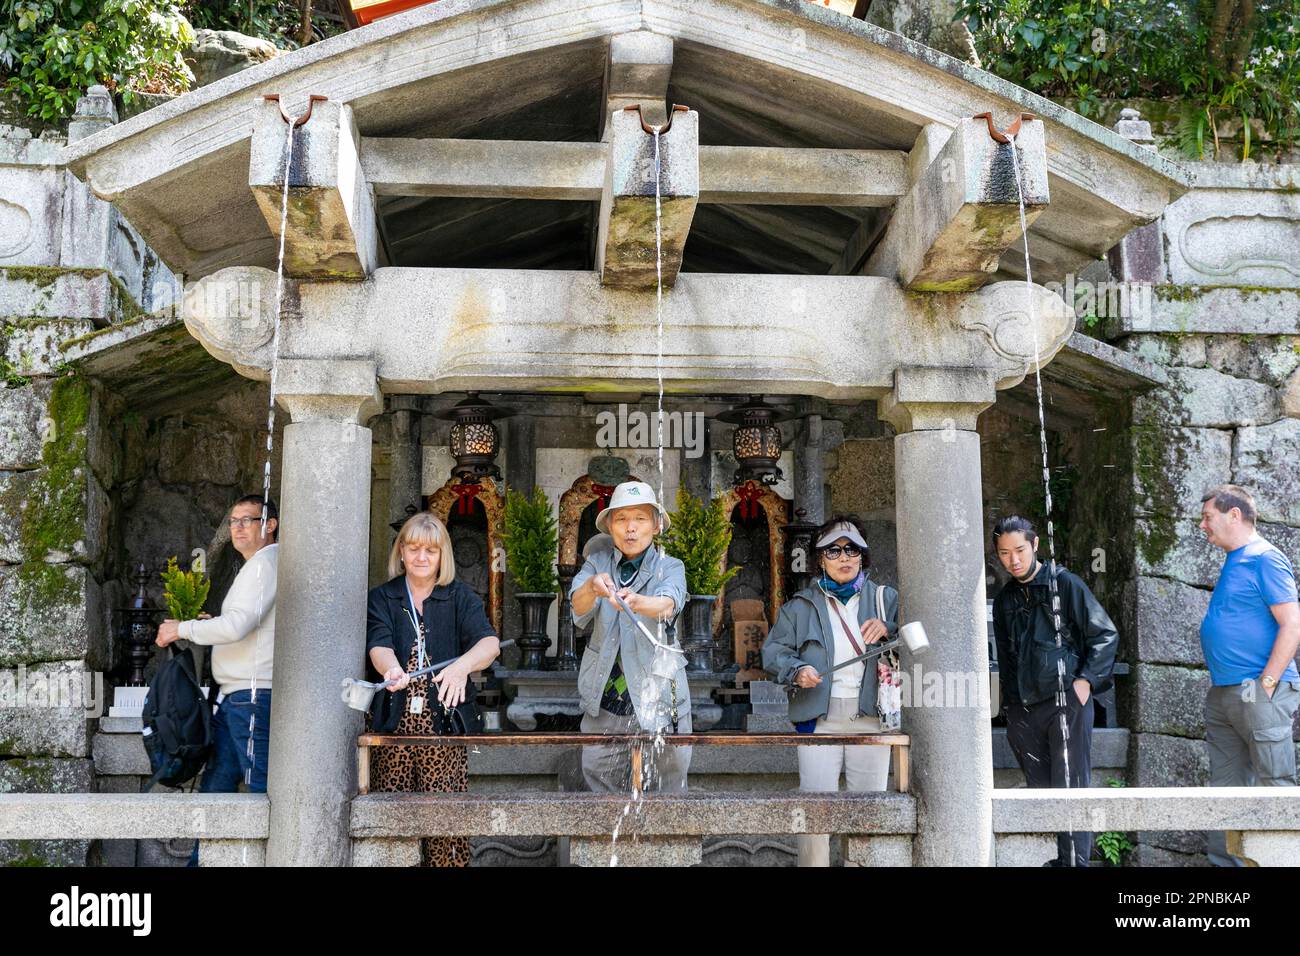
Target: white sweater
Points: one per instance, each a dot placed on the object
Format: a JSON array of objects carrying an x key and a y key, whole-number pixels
[{"x": 245, "y": 631}]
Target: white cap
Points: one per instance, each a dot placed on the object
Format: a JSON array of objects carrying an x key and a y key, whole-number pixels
[
  {"x": 627, "y": 494},
  {"x": 842, "y": 529}
]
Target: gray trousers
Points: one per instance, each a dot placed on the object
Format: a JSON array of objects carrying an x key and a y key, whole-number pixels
[
  {"x": 1249, "y": 739},
  {"x": 864, "y": 768},
  {"x": 607, "y": 768}
]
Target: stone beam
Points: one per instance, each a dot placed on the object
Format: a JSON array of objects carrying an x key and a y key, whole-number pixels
[
  {"x": 949, "y": 231},
  {"x": 387, "y": 815},
  {"x": 636, "y": 74},
  {"x": 626, "y": 247},
  {"x": 330, "y": 230},
  {"x": 508, "y": 169},
  {"x": 488, "y": 169},
  {"x": 438, "y": 330}
]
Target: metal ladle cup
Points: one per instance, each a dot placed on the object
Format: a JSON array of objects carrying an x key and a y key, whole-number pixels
[{"x": 360, "y": 694}]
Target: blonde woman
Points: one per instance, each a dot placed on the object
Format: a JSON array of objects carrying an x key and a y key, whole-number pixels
[{"x": 420, "y": 617}]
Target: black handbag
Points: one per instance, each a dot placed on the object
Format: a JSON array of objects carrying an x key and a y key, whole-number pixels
[{"x": 463, "y": 720}]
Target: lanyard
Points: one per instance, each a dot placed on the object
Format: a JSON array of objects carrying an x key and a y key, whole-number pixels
[
  {"x": 848, "y": 631},
  {"x": 417, "y": 622}
]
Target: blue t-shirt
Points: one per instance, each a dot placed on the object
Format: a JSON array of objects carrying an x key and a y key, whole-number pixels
[{"x": 1239, "y": 629}]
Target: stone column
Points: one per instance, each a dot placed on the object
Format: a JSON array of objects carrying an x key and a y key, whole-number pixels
[
  {"x": 941, "y": 584},
  {"x": 810, "y": 472},
  {"x": 404, "y": 458},
  {"x": 320, "y": 606}
]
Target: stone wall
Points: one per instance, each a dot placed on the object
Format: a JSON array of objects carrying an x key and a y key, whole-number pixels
[{"x": 1225, "y": 324}]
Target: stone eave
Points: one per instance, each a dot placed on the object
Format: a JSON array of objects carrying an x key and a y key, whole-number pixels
[{"x": 1102, "y": 184}]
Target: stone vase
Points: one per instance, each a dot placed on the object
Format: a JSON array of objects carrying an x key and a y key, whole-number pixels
[
  {"x": 534, "y": 642},
  {"x": 697, "y": 639}
]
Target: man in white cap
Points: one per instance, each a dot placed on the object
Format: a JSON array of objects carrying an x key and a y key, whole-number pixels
[{"x": 621, "y": 689}]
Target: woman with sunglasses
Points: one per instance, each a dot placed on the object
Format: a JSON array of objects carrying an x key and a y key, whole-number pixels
[{"x": 833, "y": 621}]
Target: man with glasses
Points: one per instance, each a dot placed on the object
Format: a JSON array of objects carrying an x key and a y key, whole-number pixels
[{"x": 243, "y": 642}]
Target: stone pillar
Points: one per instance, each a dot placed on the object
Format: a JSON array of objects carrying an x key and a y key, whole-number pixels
[
  {"x": 320, "y": 606},
  {"x": 810, "y": 472},
  {"x": 941, "y": 584},
  {"x": 697, "y": 473},
  {"x": 1139, "y": 256},
  {"x": 404, "y": 458}
]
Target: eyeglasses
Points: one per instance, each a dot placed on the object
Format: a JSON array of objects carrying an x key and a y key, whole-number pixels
[
  {"x": 244, "y": 522},
  {"x": 849, "y": 551}
]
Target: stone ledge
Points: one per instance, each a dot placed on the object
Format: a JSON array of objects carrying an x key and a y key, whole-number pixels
[
  {"x": 1150, "y": 808},
  {"x": 596, "y": 814},
  {"x": 92, "y": 816}
]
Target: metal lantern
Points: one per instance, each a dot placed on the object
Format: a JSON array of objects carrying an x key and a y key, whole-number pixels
[
  {"x": 136, "y": 629},
  {"x": 756, "y": 442},
  {"x": 474, "y": 439}
]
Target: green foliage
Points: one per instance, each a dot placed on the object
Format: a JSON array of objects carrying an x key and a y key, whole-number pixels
[
  {"x": 278, "y": 21},
  {"x": 52, "y": 51},
  {"x": 1092, "y": 50},
  {"x": 699, "y": 536},
  {"x": 531, "y": 542},
  {"x": 184, "y": 592},
  {"x": 1113, "y": 845}
]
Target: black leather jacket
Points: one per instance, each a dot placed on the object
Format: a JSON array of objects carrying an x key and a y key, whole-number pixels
[{"x": 1027, "y": 652}]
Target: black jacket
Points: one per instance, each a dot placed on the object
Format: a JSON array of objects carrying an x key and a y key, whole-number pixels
[
  {"x": 1027, "y": 654},
  {"x": 454, "y": 621}
]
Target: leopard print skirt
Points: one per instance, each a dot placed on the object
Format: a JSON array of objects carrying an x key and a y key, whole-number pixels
[{"x": 423, "y": 770}]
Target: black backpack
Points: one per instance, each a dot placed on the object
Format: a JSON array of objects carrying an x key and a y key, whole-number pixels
[{"x": 177, "y": 720}]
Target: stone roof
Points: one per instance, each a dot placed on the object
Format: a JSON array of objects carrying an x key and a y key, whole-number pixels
[{"x": 782, "y": 73}]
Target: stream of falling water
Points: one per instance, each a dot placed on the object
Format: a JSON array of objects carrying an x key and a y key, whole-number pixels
[
  {"x": 270, "y": 440},
  {"x": 657, "y": 744},
  {"x": 1052, "y": 587}
]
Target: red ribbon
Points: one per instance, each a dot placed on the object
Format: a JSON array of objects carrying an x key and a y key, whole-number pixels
[
  {"x": 465, "y": 495},
  {"x": 602, "y": 493},
  {"x": 749, "y": 493}
]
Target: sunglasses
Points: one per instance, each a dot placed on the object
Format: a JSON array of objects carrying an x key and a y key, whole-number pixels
[{"x": 848, "y": 550}]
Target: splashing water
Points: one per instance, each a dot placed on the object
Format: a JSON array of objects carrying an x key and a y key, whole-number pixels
[{"x": 1047, "y": 489}]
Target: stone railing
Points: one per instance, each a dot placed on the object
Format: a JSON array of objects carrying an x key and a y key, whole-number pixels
[
  {"x": 232, "y": 827},
  {"x": 657, "y": 830},
  {"x": 1263, "y": 823}
]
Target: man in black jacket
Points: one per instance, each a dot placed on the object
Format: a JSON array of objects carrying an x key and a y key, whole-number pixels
[{"x": 1047, "y": 689}]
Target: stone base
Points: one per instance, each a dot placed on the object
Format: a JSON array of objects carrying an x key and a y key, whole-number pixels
[
  {"x": 878, "y": 850},
  {"x": 232, "y": 853},
  {"x": 538, "y": 693},
  {"x": 1024, "y": 849},
  {"x": 386, "y": 852},
  {"x": 632, "y": 851}
]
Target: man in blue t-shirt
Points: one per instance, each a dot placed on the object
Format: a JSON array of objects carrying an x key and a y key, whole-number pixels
[{"x": 1249, "y": 636}]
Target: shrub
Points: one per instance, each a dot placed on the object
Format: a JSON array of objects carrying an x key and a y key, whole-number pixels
[
  {"x": 1223, "y": 58},
  {"x": 531, "y": 542},
  {"x": 699, "y": 536},
  {"x": 52, "y": 51},
  {"x": 184, "y": 592}
]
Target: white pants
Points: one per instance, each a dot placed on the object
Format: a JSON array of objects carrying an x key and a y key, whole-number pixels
[{"x": 864, "y": 768}]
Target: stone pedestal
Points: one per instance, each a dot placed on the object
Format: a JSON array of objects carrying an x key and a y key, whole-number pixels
[
  {"x": 556, "y": 692},
  {"x": 320, "y": 607},
  {"x": 941, "y": 584}
]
